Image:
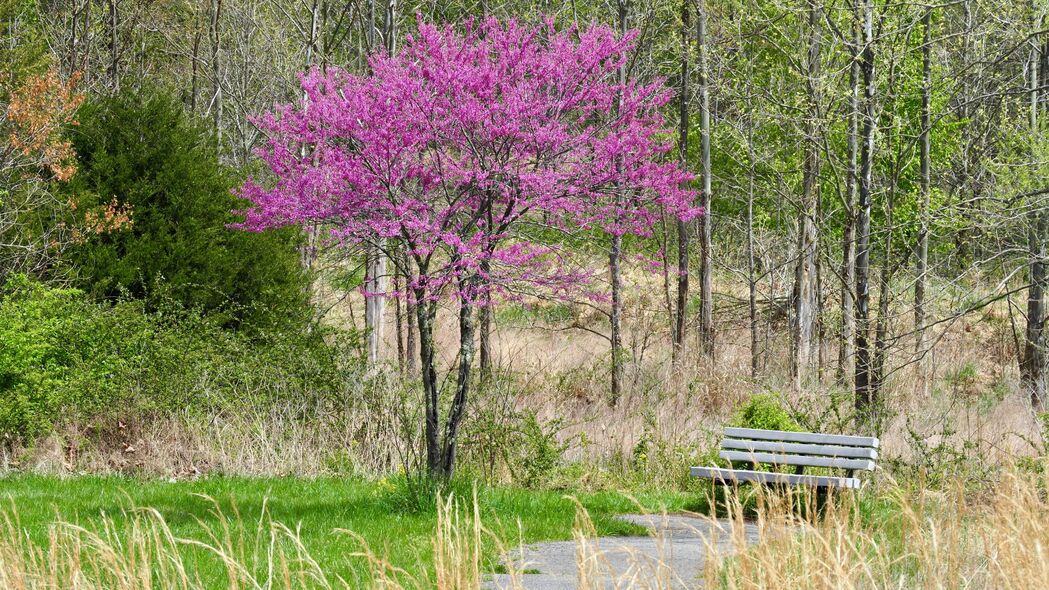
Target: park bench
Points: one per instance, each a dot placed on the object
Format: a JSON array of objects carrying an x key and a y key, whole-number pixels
[{"x": 852, "y": 454}]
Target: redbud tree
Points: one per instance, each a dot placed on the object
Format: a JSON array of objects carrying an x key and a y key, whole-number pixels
[{"x": 460, "y": 157}]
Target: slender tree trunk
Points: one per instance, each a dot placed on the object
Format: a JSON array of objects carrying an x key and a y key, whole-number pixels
[
  {"x": 967, "y": 113},
  {"x": 485, "y": 321},
  {"x": 216, "y": 67},
  {"x": 805, "y": 271},
  {"x": 114, "y": 48},
  {"x": 402, "y": 351},
  {"x": 426, "y": 312},
  {"x": 669, "y": 301},
  {"x": 616, "y": 317},
  {"x": 462, "y": 386},
  {"x": 881, "y": 330},
  {"x": 614, "y": 255},
  {"x": 311, "y": 42},
  {"x": 370, "y": 35},
  {"x": 682, "y": 227},
  {"x": 922, "y": 262},
  {"x": 865, "y": 400},
  {"x": 752, "y": 284},
  {"x": 821, "y": 305},
  {"x": 409, "y": 339},
  {"x": 72, "y": 51},
  {"x": 376, "y": 271},
  {"x": 309, "y": 248},
  {"x": 85, "y": 39},
  {"x": 374, "y": 302},
  {"x": 848, "y": 256},
  {"x": 706, "y": 290},
  {"x": 1033, "y": 364},
  {"x": 410, "y": 306},
  {"x": 389, "y": 27},
  {"x": 195, "y": 76}
]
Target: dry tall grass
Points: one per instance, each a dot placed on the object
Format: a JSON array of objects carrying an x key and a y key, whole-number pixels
[
  {"x": 912, "y": 539},
  {"x": 971, "y": 412}
]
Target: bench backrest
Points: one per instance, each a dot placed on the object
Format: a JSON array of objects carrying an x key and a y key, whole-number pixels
[{"x": 800, "y": 449}]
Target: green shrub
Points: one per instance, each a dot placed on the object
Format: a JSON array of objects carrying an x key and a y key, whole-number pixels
[
  {"x": 539, "y": 452},
  {"x": 765, "y": 412},
  {"x": 140, "y": 151},
  {"x": 500, "y": 441},
  {"x": 63, "y": 356},
  {"x": 34, "y": 359}
]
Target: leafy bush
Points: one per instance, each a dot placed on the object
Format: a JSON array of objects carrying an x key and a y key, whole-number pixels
[
  {"x": 765, "y": 412},
  {"x": 141, "y": 156},
  {"x": 500, "y": 441},
  {"x": 63, "y": 356},
  {"x": 539, "y": 451}
]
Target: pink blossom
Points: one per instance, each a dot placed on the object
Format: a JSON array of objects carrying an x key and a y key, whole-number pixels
[{"x": 471, "y": 151}]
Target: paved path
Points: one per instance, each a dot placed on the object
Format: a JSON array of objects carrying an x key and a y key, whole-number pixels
[{"x": 671, "y": 558}]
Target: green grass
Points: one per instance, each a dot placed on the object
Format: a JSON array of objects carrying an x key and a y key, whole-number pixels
[{"x": 374, "y": 510}]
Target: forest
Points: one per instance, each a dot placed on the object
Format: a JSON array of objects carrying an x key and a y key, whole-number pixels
[{"x": 391, "y": 294}]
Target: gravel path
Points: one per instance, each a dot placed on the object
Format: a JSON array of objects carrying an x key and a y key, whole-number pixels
[{"x": 672, "y": 557}]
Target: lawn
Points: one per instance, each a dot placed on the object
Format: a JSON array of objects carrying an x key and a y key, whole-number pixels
[{"x": 319, "y": 510}]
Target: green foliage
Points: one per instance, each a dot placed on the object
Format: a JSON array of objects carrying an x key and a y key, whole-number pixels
[
  {"x": 26, "y": 53},
  {"x": 142, "y": 150},
  {"x": 34, "y": 356},
  {"x": 538, "y": 451},
  {"x": 65, "y": 357},
  {"x": 518, "y": 314},
  {"x": 766, "y": 412},
  {"x": 498, "y": 440}
]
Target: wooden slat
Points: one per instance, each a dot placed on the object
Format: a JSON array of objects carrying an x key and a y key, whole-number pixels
[
  {"x": 740, "y": 475},
  {"x": 802, "y": 460},
  {"x": 800, "y": 448},
  {"x": 802, "y": 437}
]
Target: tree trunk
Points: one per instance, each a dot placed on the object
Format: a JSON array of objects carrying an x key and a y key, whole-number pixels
[
  {"x": 865, "y": 401},
  {"x": 706, "y": 305},
  {"x": 426, "y": 313},
  {"x": 376, "y": 271},
  {"x": 682, "y": 227},
  {"x": 1033, "y": 364},
  {"x": 409, "y": 340},
  {"x": 752, "y": 285},
  {"x": 614, "y": 254},
  {"x": 309, "y": 248},
  {"x": 485, "y": 321},
  {"x": 462, "y": 386},
  {"x": 805, "y": 271},
  {"x": 616, "y": 317},
  {"x": 389, "y": 27},
  {"x": 402, "y": 351},
  {"x": 85, "y": 39},
  {"x": 114, "y": 48},
  {"x": 216, "y": 68},
  {"x": 922, "y": 262},
  {"x": 848, "y": 256},
  {"x": 72, "y": 50},
  {"x": 374, "y": 302},
  {"x": 881, "y": 331},
  {"x": 195, "y": 76},
  {"x": 370, "y": 35}
]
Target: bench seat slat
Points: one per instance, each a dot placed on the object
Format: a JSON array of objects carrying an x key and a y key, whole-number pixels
[
  {"x": 801, "y": 460},
  {"x": 739, "y": 475},
  {"x": 771, "y": 446},
  {"x": 802, "y": 437}
]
